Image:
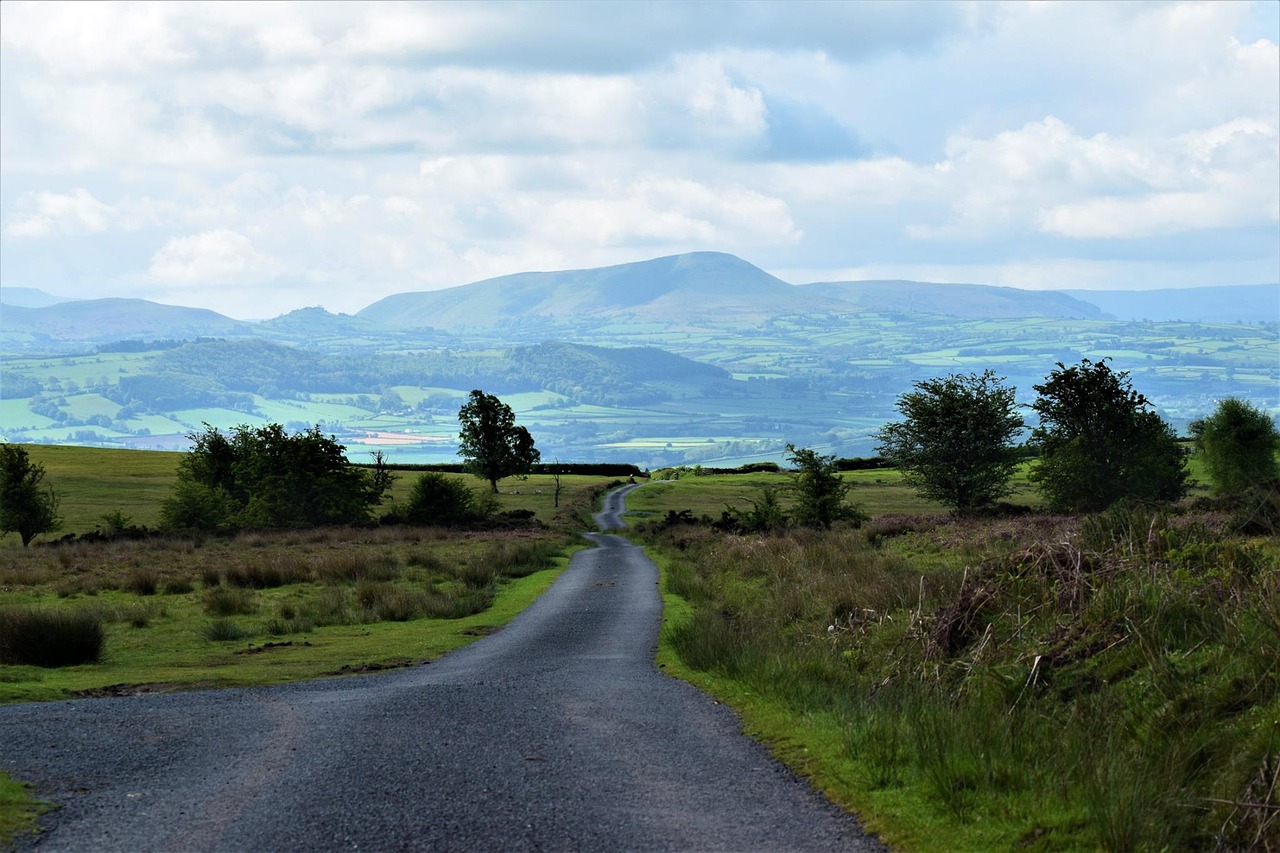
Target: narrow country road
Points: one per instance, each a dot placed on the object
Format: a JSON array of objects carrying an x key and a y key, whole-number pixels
[{"x": 556, "y": 733}]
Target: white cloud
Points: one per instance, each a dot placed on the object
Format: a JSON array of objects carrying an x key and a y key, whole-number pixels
[
  {"x": 42, "y": 214},
  {"x": 411, "y": 145},
  {"x": 664, "y": 211},
  {"x": 213, "y": 257}
]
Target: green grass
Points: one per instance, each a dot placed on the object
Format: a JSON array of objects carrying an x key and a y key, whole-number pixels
[
  {"x": 166, "y": 639},
  {"x": 18, "y": 810},
  {"x": 92, "y": 482},
  {"x": 964, "y": 686}
]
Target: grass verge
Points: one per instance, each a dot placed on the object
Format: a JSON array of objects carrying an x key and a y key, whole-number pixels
[
  {"x": 18, "y": 810},
  {"x": 1039, "y": 683}
]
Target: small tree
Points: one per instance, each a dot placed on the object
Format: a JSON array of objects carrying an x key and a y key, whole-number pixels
[
  {"x": 26, "y": 507},
  {"x": 956, "y": 444},
  {"x": 1100, "y": 442},
  {"x": 1238, "y": 444},
  {"x": 820, "y": 491},
  {"x": 491, "y": 443}
]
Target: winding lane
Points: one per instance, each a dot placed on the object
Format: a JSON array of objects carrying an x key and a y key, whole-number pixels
[{"x": 556, "y": 733}]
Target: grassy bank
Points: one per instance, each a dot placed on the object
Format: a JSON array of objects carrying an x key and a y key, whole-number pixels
[
  {"x": 1032, "y": 683},
  {"x": 158, "y": 614}
]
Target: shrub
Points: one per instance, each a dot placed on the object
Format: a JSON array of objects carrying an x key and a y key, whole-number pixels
[
  {"x": 820, "y": 492},
  {"x": 437, "y": 499},
  {"x": 50, "y": 637},
  {"x": 1239, "y": 444}
]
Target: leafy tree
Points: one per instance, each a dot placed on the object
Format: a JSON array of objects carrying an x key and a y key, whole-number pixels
[
  {"x": 264, "y": 477},
  {"x": 444, "y": 501},
  {"x": 819, "y": 490},
  {"x": 1100, "y": 442},
  {"x": 955, "y": 445},
  {"x": 1238, "y": 443},
  {"x": 26, "y": 508},
  {"x": 491, "y": 443}
]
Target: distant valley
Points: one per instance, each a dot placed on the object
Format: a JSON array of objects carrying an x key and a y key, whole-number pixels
[{"x": 697, "y": 358}]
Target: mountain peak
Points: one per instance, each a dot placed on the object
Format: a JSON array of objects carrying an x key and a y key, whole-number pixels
[{"x": 674, "y": 288}]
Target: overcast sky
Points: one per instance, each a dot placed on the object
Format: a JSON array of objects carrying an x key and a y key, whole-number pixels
[{"x": 263, "y": 157}]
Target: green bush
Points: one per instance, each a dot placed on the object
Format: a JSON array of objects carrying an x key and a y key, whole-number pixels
[
  {"x": 444, "y": 501},
  {"x": 50, "y": 637},
  {"x": 1238, "y": 443},
  {"x": 263, "y": 477}
]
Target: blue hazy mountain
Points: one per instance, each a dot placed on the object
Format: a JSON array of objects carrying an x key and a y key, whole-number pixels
[
  {"x": 116, "y": 319},
  {"x": 29, "y": 297},
  {"x": 954, "y": 300},
  {"x": 1246, "y": 303}
]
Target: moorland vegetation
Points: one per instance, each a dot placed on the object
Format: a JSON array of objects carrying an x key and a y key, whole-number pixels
[
  {"x": 1013, "y": 678},
  {"x": 1016, "y": 678}
]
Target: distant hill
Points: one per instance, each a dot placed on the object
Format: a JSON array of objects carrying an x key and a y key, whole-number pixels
[
  {"x": 1242, "y": 303},
  {"x": 976, "y": 301},
  {"x": 317, "y": 322},
  {"x": 99, "y": 320},
  {"x": 29, "y": 297},
  {"x": 673, "y": 289}
]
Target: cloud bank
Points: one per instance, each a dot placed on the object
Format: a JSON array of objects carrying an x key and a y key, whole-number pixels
[{"x": 254, "y": 158}]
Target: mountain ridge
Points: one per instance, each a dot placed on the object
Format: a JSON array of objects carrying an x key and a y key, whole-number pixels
[{"x": 675, "y": 290}]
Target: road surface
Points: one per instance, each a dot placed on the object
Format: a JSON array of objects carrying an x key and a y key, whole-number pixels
[{"x": 556, "y": 733}]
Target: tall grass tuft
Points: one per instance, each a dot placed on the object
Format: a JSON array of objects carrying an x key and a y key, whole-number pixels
[
  {"x": 224, "y": 630},
  {"x": 516, "y": 558},
  {"x": 143, "y": 580},
  {"x": 50, "y": 637},
  {"x": 223, "y": 601},
  {"x": 358, "y": 566}
]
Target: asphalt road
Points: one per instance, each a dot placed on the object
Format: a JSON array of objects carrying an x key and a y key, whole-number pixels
[{"x": 556, "y": 733}]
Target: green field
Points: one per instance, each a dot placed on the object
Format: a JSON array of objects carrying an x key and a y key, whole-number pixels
[
  {"x": 817, "y": 381},
  {"x": 197, "y": 613}
]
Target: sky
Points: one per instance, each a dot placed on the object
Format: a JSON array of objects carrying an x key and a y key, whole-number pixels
[{"x": 256, "y": 158}]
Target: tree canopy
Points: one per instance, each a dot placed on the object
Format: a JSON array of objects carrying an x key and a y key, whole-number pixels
[
  {"x": 491, "y": 443},
  {"x": 956, "y": 442},
  {"x": 264, "y": 477},
  {"x": 26, "y": 507},
  {"x": 1100, "y": 442},
  {"x": 1238, "y": 443}
]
